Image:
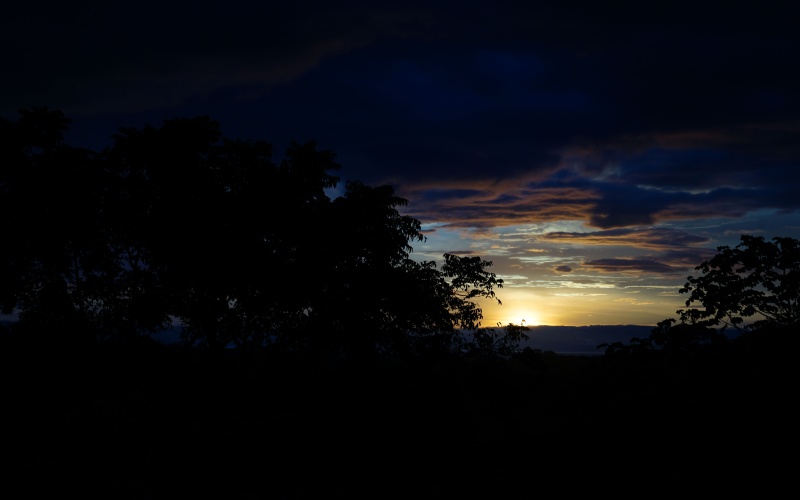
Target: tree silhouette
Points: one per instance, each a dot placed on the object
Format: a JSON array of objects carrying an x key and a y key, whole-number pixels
[
  {"x": 753, "y": 289},
  {"x": 179, "y": 223},
  {"x": 756, "y": 281},
  {"x": 56, "y": 267},
  {"x": 368, "y": 294},
  {"x": 188, "y": 235}
]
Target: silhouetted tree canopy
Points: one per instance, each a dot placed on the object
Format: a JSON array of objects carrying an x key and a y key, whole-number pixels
[
  {"x": 179, "y": 223},
  {"x": 751, "y": 289},
  {"x": 751, "y": 286},
  {"x": 54, "y": 259}
]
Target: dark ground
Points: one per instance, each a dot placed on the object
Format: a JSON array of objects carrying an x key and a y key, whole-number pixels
[{"x": 150, "y": 422}]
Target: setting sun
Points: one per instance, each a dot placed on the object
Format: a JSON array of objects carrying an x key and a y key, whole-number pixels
[
  {"x": 523, "y": 317},
  {"x": 516, "y": 309}
]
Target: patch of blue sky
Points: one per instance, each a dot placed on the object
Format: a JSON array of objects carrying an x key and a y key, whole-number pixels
[{"x": 439, "y": 240}]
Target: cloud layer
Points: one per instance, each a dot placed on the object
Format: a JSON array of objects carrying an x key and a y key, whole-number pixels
[{"x": 617, "y": 142}]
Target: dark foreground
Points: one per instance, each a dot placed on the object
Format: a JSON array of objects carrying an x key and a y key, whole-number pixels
[{"x": 150, "y": 422}]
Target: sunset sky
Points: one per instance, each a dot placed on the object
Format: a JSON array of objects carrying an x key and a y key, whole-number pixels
[{"x": 596, "y": 152}]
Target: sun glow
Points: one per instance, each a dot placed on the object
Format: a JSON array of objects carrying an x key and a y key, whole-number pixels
[
  {"x": 521, "y": 317},
  {"x": 520, "y": 308}
]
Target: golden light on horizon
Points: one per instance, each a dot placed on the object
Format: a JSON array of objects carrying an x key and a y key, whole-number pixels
[
  {"x": 521, "y": 316},
  {"x": 560, "y": 307},
  {"x": 521, "y": 313}
]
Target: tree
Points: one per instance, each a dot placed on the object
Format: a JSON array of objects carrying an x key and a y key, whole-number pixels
[
  {"x": 245, "y": 251},
  {"x": 225, "y": 235},
  {"x": 177, "y": 222},
  {"x": 443, "y": 306},
  {"x": 56, "y": 267},
  {"x": 752, "y": 286},
  {"x": 369, "y": 295}
]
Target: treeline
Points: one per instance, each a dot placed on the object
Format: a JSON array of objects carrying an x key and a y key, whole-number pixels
[{"x": 178, "y": 223}]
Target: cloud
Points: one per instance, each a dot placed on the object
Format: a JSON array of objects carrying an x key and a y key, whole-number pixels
[
  {"x": 687, "y": 258},
  {"x": 499, "y": 116},
  {"x": 92, "y": 58},
  {"x": 693, "y": 160},
  {"x": 572, "y": 284},
  {"x": 634, "y": 302},
  {"x": 658, "y": 182},
  {"x": 495, "y": 204},
  {"x": 653, "y": 238},
  {"x": 563, "y": 269},
  {"x": 626, "y": 265}
]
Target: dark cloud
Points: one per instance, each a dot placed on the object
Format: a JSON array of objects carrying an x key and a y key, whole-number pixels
[
  {"x": 688, "y": 258},
  {"x": 696, "y": 159},
  {"x": 563, "y": 269},
  {"x": 622, "y": 206},
  {"x": 500, "y": 204},
  {"x": 508, "y": 113},
  {"x": 97, "y": 56}
]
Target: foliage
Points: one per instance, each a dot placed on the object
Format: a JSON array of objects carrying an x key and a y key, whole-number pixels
[
  {"x": 753, "y": 288},
  {"x": 179, "y": 223},
  {"x": 56, "y": 265},
  {"x": 748, "y": 287}
]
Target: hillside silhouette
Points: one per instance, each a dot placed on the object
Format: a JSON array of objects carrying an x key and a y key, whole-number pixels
[{"x": 309, "y": 370}]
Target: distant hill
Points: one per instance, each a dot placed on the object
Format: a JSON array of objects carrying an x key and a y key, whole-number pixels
[{"x": 582, "y": 339}]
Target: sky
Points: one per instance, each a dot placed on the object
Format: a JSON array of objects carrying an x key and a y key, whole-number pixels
[{"x": 595, "y": 152}]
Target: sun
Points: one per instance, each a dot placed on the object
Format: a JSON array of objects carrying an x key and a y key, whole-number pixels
[
  {"x": 521, "y": 311},
  {"x": 525, "y": 317}
]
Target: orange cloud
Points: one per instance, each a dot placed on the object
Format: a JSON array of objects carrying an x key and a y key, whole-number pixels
[
  {"x": 648, "y": 238},
  {"x": 627, "y": 266}
]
